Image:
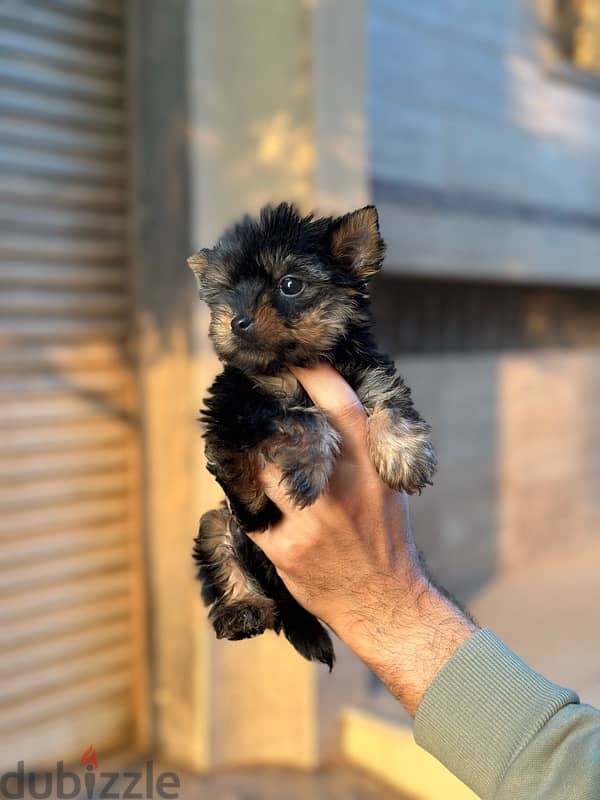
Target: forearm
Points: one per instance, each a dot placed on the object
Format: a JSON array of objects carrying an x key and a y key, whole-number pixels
[{"x": 406, "y": 635}]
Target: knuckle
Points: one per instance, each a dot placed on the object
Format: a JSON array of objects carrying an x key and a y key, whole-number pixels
[
  {"x": 288, "y": 554},
  {"x": 351, "y": 412}
]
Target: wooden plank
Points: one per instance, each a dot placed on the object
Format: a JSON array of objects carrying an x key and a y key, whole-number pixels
[
  {"x": 63, "y": 568},
  {"x": 49, "y": 21},
  {"x": 73, "y": 514},
  {"x": 70, "y": 276},
  {"x": 42, "y": 545},
  {"x": 63, "y": 621},
  {"x": 39, "y": 105},
  {"x": 76, "y": 302},
  {"x": 92, "y": 430},
  {"x": 53, "y": 463},
  {"x": 60, "y": 192},
  {"x": 74, "y": 222},
  {"x": 62, "y": 248},
  {"x": 49, "y": 135},
  {"x": 67, "y": 55},
  {"x": 21, "y": 159},
  {"x": 78, "y": 357},
  {"x": 111, "y": 11},
  {"x": 94, "y": 384},
  {"x": 25, "y": 71},
  {"x": 16, "y": 329},
  {"x": 53, "y": 649},
  {"x": 61, "y": 408},
  {"x": 69, "y": 594},
  {"x": 89, "y": 686},
  {"x": 15, "y": 689},
  {"x": 52, "y": 492},
  {"x": 106, "y": 720}
]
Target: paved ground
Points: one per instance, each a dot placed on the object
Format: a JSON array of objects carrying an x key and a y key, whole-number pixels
[{"x": 264, "y": 784}]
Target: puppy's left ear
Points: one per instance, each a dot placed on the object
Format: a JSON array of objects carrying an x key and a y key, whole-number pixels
[
  {"x": 198, "y": 264},
  {"x": 356, "y": 243}
]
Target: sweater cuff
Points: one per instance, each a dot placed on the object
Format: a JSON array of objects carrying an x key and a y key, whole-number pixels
[{"x": 482, "y": 709}]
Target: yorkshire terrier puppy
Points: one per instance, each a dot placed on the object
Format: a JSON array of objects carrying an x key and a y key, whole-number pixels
[{"x": 287, "y": 290}]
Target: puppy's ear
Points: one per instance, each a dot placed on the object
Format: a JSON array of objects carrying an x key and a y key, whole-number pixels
[
  {"x": 356, "y": 244},
  {"x": 198, "y": 264}
]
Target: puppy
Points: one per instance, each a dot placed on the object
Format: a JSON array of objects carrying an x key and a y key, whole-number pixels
[{"x": 287, "y": 290}]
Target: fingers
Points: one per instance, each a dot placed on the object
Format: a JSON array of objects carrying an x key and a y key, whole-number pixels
[
  {"x": 330, "y": 392},
  {"x": 274, "y": 488},
  {"x": 271, "y": 482}
]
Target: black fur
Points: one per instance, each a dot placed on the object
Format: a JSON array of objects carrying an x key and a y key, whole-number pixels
[{"x": 260, "y": 325}]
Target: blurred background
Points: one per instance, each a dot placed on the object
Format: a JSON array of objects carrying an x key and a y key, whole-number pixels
[{"x": 131, "y": 132}]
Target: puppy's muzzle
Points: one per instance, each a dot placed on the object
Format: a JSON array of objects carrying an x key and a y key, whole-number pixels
[{"x": 241, "y": 324}]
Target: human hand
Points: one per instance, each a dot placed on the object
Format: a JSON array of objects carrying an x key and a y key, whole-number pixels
[{"x": 350, "y": 558}]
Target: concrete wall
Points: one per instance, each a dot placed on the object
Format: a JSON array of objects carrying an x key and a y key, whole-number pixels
[{"x": 484, "y": 162}]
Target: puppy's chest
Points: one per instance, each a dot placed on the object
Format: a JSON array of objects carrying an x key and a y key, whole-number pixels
[{"x": 283, "y": 388}]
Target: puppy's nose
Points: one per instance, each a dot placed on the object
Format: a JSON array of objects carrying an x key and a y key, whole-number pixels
[{"x": 240, "y": 324}]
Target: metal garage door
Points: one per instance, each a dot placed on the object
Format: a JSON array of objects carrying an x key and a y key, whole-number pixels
[{"x": 71, "y": 671}]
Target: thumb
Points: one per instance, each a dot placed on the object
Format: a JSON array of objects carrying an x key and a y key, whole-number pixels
[
  {"x": 264, "y": 540},
  {"x": 273, "y": 487}
]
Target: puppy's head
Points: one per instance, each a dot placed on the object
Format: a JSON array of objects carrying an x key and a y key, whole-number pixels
[{"x": 283, "y": 289}]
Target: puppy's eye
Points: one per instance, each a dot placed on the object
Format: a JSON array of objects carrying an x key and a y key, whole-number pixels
[{"x": 291, "y": 286}]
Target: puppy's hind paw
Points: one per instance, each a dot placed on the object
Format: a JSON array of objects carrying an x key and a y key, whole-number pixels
[{"x": 241, "y": 620}]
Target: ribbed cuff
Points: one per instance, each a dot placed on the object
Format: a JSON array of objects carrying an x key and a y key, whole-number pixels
[{"x": 482, "y": 709}]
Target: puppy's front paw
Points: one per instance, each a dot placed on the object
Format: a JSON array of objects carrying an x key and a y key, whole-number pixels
[
  {"x": 401, "y": 450},
  {"x": 305, "y": 451}
]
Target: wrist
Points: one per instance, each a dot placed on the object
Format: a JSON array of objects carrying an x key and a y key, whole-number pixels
[{"x": 405, "y": 634}]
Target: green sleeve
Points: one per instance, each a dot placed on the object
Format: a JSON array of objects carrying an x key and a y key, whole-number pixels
[{"x": 507, "y": 732}]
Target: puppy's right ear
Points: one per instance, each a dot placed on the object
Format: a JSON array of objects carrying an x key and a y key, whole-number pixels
[{"x": 198, "y": 264}]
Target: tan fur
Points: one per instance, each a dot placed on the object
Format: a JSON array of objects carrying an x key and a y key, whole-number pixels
[
  {"x": 269, "y": 325},
  {"x": 357, "y": 243},
  {"x": 217, "y": 539},
  {"x": 198, "y": 264},
  {"x": 284, "y": 385},
  {"x": 220, "y": 326},
  {"x": 377, "y": 388},
  {"x": 248, "y": 466},
  {"x": 248, "y": 488},
  {"x": 400, "y": 450},
  {"x": 320, "y": 328}
]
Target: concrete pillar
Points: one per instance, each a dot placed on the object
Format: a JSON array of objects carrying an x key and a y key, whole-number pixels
[{"x": 223, "y": 121}]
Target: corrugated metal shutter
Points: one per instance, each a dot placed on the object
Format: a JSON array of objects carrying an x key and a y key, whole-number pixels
[{"x": 70, "y": 596}]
